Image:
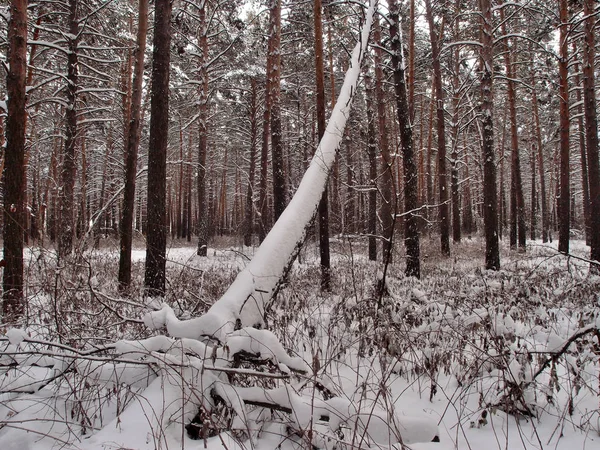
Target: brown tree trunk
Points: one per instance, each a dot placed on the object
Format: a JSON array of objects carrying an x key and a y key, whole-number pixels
[
  {"x": 490, "y": 201},
  {"x": 564, "y": 213},
  {"x": 156, "y": 243},
  {"x": 456, "y": 229},
  {"x": 131, "y": 151},
  {"x": 411, "y": 194},
  {"x": 13, "y": 175},
  {"x": 441, "y": 133},
  {"x": 203, "y": 209},
  {"x": 591, "y": 127},
  {"x": 69, "y": 165}
]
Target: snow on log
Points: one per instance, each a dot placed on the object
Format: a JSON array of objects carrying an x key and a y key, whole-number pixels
[{"x": 247, "y": 296}]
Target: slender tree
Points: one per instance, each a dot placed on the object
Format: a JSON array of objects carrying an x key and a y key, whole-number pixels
[
  {"x": 411, "y": 187},
  {"x": 13, "y": 174},
  {"x": 323, "y": 212},
  {"x": 591, "y": 126},
  {"x": 131, "y": 151},
  {"x": 156, "y": 241},
  {"x": 386, "y": 188},
  {"x": 69, "y": 165},
  {"x": 490, "y": 201},
  {"x": 249, "y": 209},
  {"x": 564, "y": 210},
  {"x": 203, "y": 209},
  {"x": 279, "y": 181},
  {"x": 441, "y": 131}
]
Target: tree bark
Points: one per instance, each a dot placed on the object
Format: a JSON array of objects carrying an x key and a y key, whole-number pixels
[
  {"x": 490, "y": 201},
  {"x": 131, "y": 151},
  {"x": 156, "y": 246},
  {"x": 411, "y": 187},
  {"x": 591, "y": 127},
  {"x": 564, "y": 212},
  {"x": 13, "y": 174}
]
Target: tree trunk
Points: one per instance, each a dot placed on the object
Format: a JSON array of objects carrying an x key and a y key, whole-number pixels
[
  {"x": 591, "y": 127},
  {"x": 203, "y": 209},
  {"x": 540, "y": 158},
  {"x": 13, "y": 174},
  {"x": 156, "y": 246},
  {"x": 279, "y": 181},
  {"x": 490, "y": 201},
  {"x": 411, "y": 194},
  {"x": 517, "y": 201},
  {"x": 69, "y": 166},
  {"x": 441, "y": 133},
  {"x": 131, "y": 151},
  {"x": 372, "y": 154},
  {"x": 323, "y": 205},
  {"x": 564, "y": 213}
]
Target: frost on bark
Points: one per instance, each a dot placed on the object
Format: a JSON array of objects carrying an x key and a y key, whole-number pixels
[
  {"x": 490, "y": 199},
  {"x": 131, "y": 151},
  {"x": 156, "y": 246},
  {"x": 411, "y": 187},
  {"x": 13, "y": 176}
]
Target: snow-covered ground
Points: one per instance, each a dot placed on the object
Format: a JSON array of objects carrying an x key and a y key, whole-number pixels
[{"x": 455, "y": 355}]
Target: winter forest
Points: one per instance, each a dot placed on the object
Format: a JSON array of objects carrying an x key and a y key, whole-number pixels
[{"x": 299, "y": 224}]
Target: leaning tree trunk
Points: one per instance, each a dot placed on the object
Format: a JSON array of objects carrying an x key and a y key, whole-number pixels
[
  {"x": 564, "y": 213},
  {"x": 13, "y": 175},
  {"x": 69, "y": 167},
  {"x": 131, "y": 152},
  {"x": 591, "y": 126},
  {"x": 490, "y": 201},
  {"x": 156, "y": 247},
  {"x": 245, "y": 301},
  {"x": 411, "y": 187}
]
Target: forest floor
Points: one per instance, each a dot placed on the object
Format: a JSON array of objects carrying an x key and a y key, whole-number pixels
[{"x": 507, "y": 359}]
